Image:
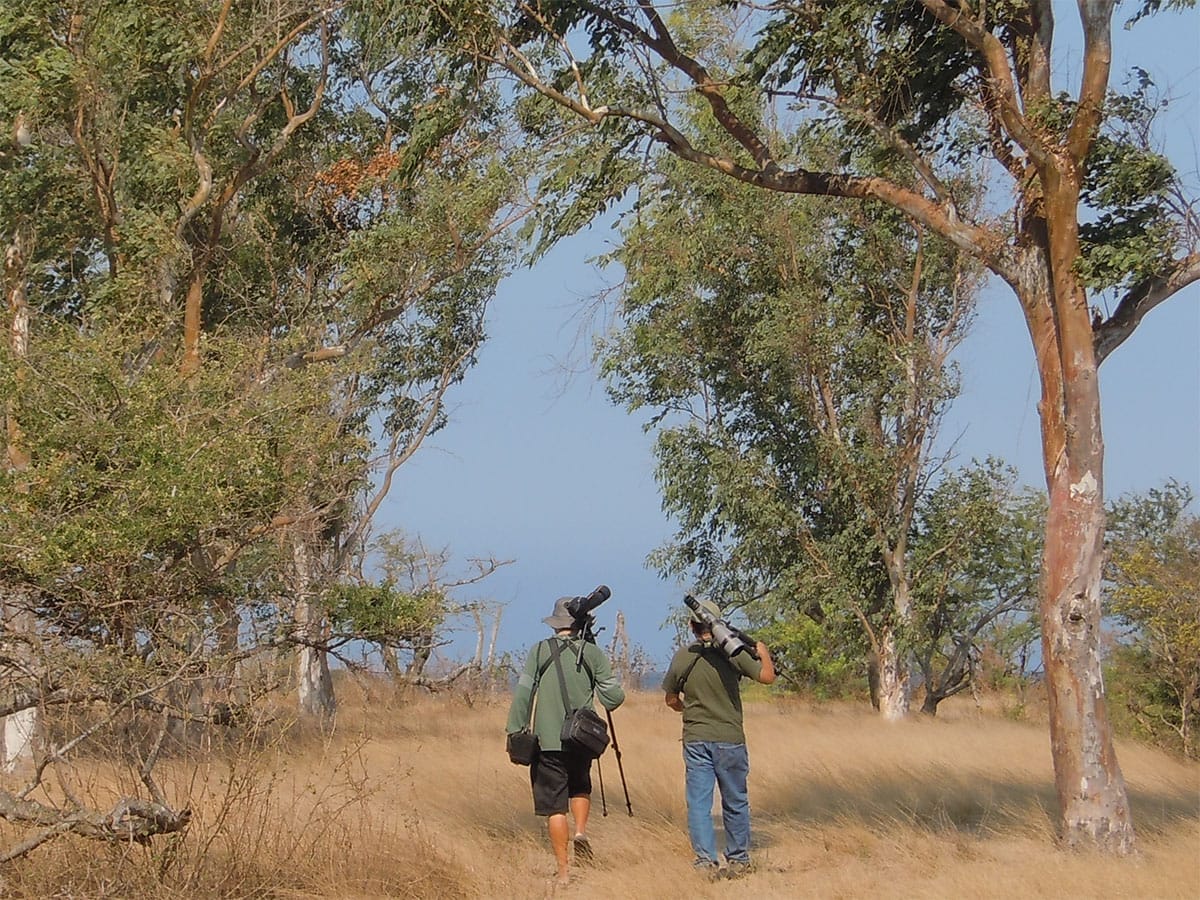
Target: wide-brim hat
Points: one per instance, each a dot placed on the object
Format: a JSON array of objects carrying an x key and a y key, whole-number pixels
[
  {"x": 707, "y": 608},
  {"x": 561, "y": 617}
]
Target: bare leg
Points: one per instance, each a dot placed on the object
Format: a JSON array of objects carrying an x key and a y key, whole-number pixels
[
  {"x": 557, "y": 826},
  {"x": 580, "y": 807}
]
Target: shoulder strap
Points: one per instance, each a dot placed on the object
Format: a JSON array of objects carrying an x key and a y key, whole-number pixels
[
  {"x": 537, "y": 654},
  {"x": 546, "y": 665},
  {"x": 692, "y": 664}
]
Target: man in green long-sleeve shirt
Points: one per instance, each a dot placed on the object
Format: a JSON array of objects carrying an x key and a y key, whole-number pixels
[{"x": 562, "y": 778}]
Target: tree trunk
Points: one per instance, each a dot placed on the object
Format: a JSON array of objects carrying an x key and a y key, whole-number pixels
[
  {"x": 895, "y": 677},
  {"x": 188, "y": 694},
  {"x": 314, "y": 684},
  {"x": 20, "y": 728},
  {"x": 1088, "y": 780},
  {"x": 225, "y": 666},
  {"x": 422, "y": 650},
  {"x": 620, "y": 650},
  {"x": 894, "y": 683},
  {"x": 873, "y": 678},
  {"x": 480, "y": 635},
  {"x": 391, "y": 661},
  {"x": 930, "y": 704},
  {"x": 491, "y": 651},
  {"x": 20, "y": 733},
  {"x": 1091, "y": 790}
]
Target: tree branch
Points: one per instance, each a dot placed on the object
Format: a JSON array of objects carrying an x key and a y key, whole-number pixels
[
  {"x": 1111, "y": 333},
  {"x": 998, "y": 72}
]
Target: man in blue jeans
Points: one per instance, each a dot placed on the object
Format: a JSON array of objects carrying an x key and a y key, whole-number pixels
[{"x": 703, "y": 684}]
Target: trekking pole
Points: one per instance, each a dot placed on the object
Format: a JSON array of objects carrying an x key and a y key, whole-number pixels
[{"x": 620, "y": 768}]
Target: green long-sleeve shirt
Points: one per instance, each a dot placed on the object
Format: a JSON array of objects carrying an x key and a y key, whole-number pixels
[{"x": 551, "y": 711}]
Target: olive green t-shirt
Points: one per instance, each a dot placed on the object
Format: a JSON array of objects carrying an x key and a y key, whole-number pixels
[{"x": 712, "y": 697}]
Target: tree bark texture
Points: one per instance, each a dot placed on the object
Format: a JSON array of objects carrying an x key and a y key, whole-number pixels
[{"x": 895, "y": 686}]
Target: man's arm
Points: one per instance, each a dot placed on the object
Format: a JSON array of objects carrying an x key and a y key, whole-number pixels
[
  {"x": 608, "y": 689},
  {"x": 674, "y": 701},
  {"x": 767, "y": 674},
  {"x": 522, "y": 701}
]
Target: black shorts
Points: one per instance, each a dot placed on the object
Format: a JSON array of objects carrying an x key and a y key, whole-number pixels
[{"x": 556, "y": 776}]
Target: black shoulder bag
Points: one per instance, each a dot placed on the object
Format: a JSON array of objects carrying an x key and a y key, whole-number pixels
[{"x": 583, "y": 730}]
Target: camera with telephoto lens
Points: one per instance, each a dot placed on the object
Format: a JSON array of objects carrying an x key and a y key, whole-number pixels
[
  {"x": 728, "y": 639},
  {"x": 581, "y": 607}
]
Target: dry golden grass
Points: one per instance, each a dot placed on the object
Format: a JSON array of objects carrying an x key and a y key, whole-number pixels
[{"x": 415, "y": 798}]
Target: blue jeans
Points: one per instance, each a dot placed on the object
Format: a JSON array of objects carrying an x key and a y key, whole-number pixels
[{"x": 710, "y": 763}]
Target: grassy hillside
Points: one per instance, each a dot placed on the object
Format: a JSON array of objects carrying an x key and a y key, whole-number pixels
[{"x": 415, "y": 798}]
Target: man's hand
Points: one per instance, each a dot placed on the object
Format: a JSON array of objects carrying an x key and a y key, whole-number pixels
[{"x": 675, "y": 701}]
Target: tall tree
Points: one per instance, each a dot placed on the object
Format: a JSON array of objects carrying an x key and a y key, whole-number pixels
[
  {"x": 800, "y": 352},
  {"x": 218, "y": 192},
  {"x": 20, "y": 728},
  {"x": 1091, "y": 211},
  {"x": 250, "y": 276}
]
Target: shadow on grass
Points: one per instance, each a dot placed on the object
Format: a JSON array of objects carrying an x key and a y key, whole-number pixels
[{"x": 946, "y": 802}]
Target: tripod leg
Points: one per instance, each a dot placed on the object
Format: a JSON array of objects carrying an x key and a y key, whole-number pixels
[
  {"x": 617, "y": 753},
  {"x": 600, "y": 778}
]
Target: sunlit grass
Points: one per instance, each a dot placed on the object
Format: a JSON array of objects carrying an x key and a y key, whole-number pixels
[{"x": 416, "y": 798}]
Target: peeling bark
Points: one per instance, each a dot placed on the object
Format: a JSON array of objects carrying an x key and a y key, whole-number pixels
[{"x": 895, "y": 686}]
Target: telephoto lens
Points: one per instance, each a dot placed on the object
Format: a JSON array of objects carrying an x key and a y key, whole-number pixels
[
  {"x": 581, "y": 606},
  {"x": 728, "y": 640}
]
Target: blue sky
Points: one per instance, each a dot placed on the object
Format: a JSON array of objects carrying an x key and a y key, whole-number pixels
[{"x": 539, "y": 467}]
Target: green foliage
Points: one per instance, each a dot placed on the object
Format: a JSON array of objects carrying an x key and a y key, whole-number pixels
[
  {"x": 384, "y": 614},
  {"x": 883, "y": 85},
  {"x": 808, "y": 661},
  {"x": 917, "y": 77},
  {"x": 132, "y": 481},
  {"x": 1153, "y": 592},
  {"x": 343, "y": 264},
  {"x": 975, "y": 558},
  {"x": 1128, "y": 185},
  {"x": 909, "y": 71}
]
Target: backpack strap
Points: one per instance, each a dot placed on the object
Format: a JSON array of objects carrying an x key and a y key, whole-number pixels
[{"x": 562, "y": 681}]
